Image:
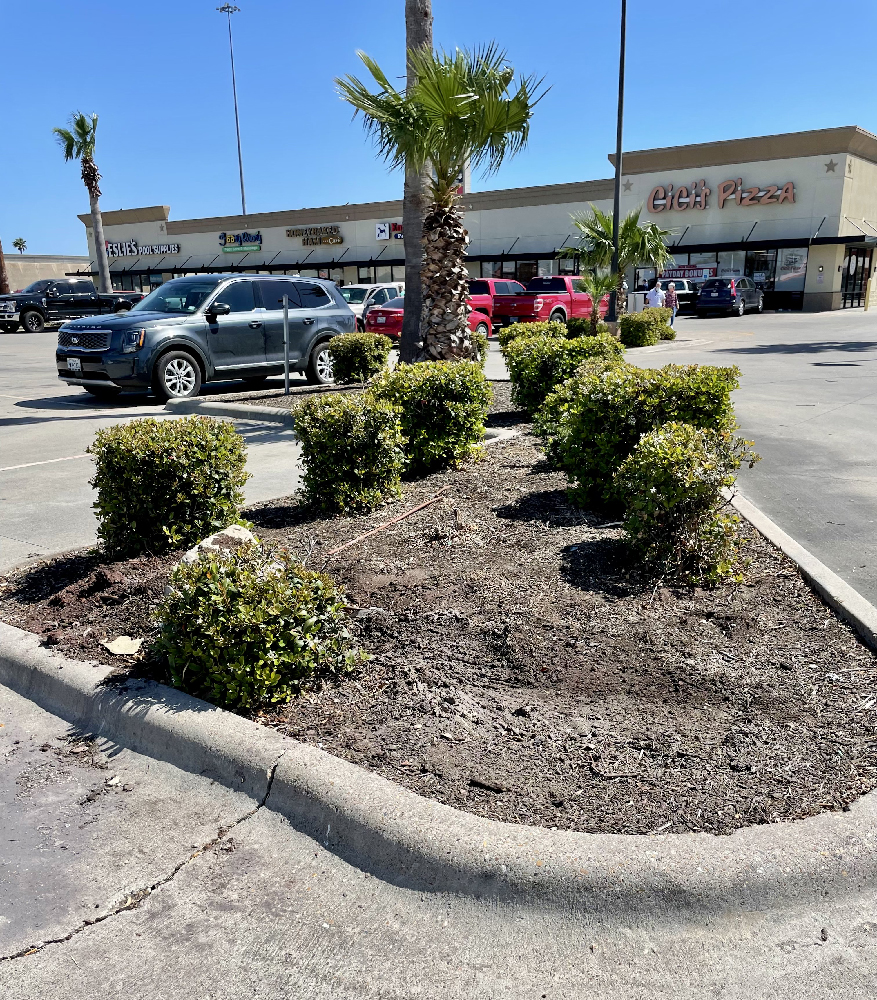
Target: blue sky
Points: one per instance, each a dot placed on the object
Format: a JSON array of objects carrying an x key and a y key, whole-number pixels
[{"x": 158, "y": 75}]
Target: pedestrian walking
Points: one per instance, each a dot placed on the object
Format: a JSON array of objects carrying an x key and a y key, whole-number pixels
[
  {"x": 671, "y": 302},
  {"x": 655, "y": 297}
]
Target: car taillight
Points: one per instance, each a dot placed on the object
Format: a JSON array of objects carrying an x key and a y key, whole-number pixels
[
  {"x": 733, "y": 287},
  {"x": 537, "y": 304}
]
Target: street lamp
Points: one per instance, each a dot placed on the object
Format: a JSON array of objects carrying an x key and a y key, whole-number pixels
[
  {"x": 229, "y": 9},
  {"x": 612, "y": 314}
]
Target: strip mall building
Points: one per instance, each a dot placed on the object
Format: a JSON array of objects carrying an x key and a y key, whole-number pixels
[{"x": 797, "y": 213}]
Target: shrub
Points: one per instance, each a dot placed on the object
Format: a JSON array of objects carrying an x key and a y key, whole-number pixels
[
  {"x": 594, "y": 420},
  {"x": 352, "y": 451},
  {"x": 480, "y": 347},
  {"x": 637, "y": 330},
  {"x": 537, "y": 366},
  {"x": 165, "y": 484},
  {"x": 442, "y": 407},
  {"x": 527, "y": 330},
  {"x": 357, "y": 357},
  {"x": 248, "y": 628},
  {"x": 675, "y": 514},
  {"x": 581, "y": 327}
]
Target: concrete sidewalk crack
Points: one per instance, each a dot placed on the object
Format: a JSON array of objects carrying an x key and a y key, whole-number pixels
[{"x": 134, "y": 898}]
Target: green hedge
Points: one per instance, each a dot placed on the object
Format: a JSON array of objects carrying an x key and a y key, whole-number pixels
[
  {"x": 675, "y": 515},
  {"x": 352, "y": 451},
  {"x": 442, "y": 407},
  {"x": 538, "y": 365},
  {"x": 357, "y": 357},
  {"x": 480, "y": 347},
  {"x": 247, "y": 629},
  {"x": 645, "y": 328},
  {"x": 166, "y": 484},
  {"x": 579, "y": 326},
  {"x": 526, "y": 330},
  {"x": 594, "y": 420}
]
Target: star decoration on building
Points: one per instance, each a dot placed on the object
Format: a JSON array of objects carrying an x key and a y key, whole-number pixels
[
  {"x": 628, "y": 185},
  {"x": 829, "y": 167}
]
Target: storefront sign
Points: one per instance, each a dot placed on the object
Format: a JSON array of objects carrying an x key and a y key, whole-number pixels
[
  {"x": 314, "y": 236},
  {"x": 386, "y": 230},
  {"x": 666, "y": 199},
  {"x": 694, "y": 272},
  {"x": 237, "y": 242},
  {"x": 131, "y": 249}
]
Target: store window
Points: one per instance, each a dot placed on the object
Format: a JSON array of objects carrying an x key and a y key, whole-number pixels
[
  {"x": 791, "y": 269},
  {"x": 527, "y": 270},
  {"x": 731, "y": 263},
  {"x": 364, "y": 276},
  {"x": 383, "y": 273},
  {"x": 508, "y": 269},
  {"x": 761, "y": 267}
]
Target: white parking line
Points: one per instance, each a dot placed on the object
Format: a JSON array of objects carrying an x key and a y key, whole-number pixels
[{"x": 48, "y": 461}]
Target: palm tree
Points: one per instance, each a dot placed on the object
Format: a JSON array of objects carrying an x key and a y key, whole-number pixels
[
  {"x": 418, "y": 35},
  {"x": 20, "y": 244},
  {"x": 639, "y": 244},
  {"x": 461, "y": 108},
  {"x": 597, "y": 284},
  {"x": 78, "y": 144},
  {"x": 4, "y": 277}
]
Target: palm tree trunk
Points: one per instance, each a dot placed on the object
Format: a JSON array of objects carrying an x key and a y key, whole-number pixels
[
  {"x": 418, "y": 34},
  {"x": 4, "y": 277},
  {"x": 100, "y": 246},
  {"x": 445, "y": 286}
]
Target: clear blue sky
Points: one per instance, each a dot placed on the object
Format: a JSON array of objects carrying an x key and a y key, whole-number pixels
[{"x": 158, "y": 75}]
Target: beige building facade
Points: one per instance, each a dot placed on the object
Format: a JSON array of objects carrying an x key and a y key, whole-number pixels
[
  {"x": 25, "y": 268},
  {"x": 797, "y": 213}
]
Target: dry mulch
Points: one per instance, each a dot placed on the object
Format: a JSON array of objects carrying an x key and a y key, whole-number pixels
[{"x": 523, "y": 671}]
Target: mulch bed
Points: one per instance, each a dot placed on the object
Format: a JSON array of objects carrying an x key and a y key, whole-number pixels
[{"x": 522, "y": 670}]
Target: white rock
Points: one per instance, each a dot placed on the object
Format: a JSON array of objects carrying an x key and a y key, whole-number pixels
[{"x": 231, "y": 537}]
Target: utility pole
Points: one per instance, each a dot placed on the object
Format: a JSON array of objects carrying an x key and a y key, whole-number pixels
[
  {"x": 612, "y": 314},
  {"x": 229, "y": 9}
]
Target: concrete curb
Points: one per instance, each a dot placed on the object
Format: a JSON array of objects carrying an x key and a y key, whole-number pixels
[{"x": 838, "y": 595}]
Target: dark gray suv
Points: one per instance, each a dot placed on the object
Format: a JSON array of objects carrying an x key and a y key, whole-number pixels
[{"x": 199, "y": 329}]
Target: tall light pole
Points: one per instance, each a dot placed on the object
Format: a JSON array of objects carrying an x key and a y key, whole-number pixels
[
  {"x": 229, "y": 9},
  {"x": 616, "y": 204}
]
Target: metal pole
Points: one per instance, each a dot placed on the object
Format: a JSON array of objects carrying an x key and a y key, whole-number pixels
[
  {"x": 285, "y": 345},
  {"x": 612, "y": 314},
  {"x": 230, "y": 9}
]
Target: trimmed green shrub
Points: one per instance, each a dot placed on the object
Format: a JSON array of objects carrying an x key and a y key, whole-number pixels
[
  {"x": 637, "y": 330},
  {"x": 166, "y": 484},
  {"x": 594, "y": 420},
  {"x": 480, "y": 347},
  {"x": 527, "y": 330},
  {"x": 442, "y": 407},
  {"x": 580, "y": 326},
  {"x": 357, "y": 357},
  {"x": 661, "y": 319},
  {"x": 538, "y": 365},
  {"x": 675, "y": 514},
  {"x": 248, "y": 628},
  {"x": 352, "y": 451}
]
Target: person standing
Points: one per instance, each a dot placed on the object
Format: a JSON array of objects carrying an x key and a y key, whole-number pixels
[
  {"x": 671, "y": 302},
  {"x": 655, "y": 297}
]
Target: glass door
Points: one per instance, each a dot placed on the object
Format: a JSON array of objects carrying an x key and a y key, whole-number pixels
[{"x": 854, "y": 278}]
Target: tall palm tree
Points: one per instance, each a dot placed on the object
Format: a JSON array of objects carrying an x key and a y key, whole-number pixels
[
  {"x": 20, "y": 244},
  {"x": 640, "y": 244},
  {"x": 77, "y": 142},
  {"x": 461, "y": 108},
  {"x": 598, "y": 284},
  {"x": 418, "y": 35}
]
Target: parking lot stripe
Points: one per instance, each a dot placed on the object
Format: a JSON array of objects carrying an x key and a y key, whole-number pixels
[{"x": 48, "y": 461}]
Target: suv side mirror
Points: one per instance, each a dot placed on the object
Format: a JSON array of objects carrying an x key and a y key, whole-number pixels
[
  {"x": 219, "y": 309},
  {"x": 51, "y": 292}
]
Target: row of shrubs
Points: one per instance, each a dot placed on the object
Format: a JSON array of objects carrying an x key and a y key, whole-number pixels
[{"x": 360, "y": 357}]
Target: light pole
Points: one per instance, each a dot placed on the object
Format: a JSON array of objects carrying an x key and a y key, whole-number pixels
[
  {"x": 616, "y": 204},
  {"x": 229, "y": 9}
]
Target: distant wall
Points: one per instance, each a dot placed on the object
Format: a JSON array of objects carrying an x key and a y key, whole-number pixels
[{"x": 23, "y": 268}]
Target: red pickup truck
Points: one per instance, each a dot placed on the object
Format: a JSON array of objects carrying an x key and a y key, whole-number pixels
[
  {"x": 554, "y": 297},
  {"x": 483, "y": 291}
]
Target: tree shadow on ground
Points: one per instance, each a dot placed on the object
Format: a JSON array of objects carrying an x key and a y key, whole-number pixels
[
  {"x": 811, "y": 347},
  {"x": 506, "y": 418},
  {"x": 274, "y": 514},
  {"x": 603, "y": 565},
  {"x": 551, "y": 507},
  {"x": 47, "y": 579}
]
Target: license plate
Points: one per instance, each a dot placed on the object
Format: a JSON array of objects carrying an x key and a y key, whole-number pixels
[
  {"x": 381, "y": 319},
  {"x": 74, "y": 365},
  {"x": 715, "y": 295}
]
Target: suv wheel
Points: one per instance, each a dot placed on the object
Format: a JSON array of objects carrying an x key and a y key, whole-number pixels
[
  {"x": 740, "y": 308},
  {"x": 33, "y": 321},
  {"x": 320, "y": 365},
  {"x": 760, "y": 306},
  {"x": 176, "y": 376}
]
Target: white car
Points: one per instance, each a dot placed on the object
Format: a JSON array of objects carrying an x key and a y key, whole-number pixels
[{"x": 361, "y": 298}]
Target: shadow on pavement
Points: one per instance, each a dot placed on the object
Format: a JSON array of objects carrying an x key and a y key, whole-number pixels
[{"x": 814, "y": 347}]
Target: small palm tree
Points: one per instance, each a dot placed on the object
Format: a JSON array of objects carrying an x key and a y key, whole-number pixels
[
  {"x": 463, "y": 107},
  {"x": 20, "y": 244},
  {"x": 640, "y": 244},
  {"x": 598, "y": 284},
  {"x": 77, "y": 142}
]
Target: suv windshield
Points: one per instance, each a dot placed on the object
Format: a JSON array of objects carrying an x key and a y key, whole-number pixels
[
  {"x": 354, "y": 295},
  {"x": 39, "y": 286},
  {"x": 182, "y": 295}
]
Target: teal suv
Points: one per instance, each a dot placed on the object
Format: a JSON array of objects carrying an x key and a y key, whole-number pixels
[{"x": 200, "y": 329}]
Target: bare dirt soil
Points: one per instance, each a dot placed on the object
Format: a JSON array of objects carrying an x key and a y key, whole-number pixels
[{"x": 523, "y": 671}]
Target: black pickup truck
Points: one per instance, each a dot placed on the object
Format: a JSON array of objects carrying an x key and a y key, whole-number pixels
[{"x": 53, "y": 299}]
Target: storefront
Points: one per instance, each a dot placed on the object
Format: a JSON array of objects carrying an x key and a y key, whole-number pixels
[{"x": 796, "y": 213}]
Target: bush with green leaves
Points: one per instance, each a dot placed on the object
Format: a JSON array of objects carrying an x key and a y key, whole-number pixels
[
  {"x": 166, "y": 484},
  {"x": 351, "y": 449},
  {"x": 442, "y": 408},
  {"x": 480, "y": 347},
  {"x": 645, "y": 328},
  {"x": 248, "y": 628},
  {"x": 579, "y": 326},
  {"x": 660, "y": 317},
  {"x": 675, "y": 515},
  {"x": 528, "y": 330},
  {"x": 357, "y": 357},
  {"x": 592, "y": 422},
  {"x": 538, "y": 365}
]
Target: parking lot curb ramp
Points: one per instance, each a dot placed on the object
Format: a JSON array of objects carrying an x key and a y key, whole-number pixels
[
  {"x": 237, "y": 411},
  {"x": 416, "y": 843}
]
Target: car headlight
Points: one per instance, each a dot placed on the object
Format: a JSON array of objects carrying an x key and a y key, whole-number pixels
[{"x": 132, "y": 340}]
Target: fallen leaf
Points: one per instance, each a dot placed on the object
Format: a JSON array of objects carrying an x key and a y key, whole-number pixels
[{"x": 123, "y": 646}]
